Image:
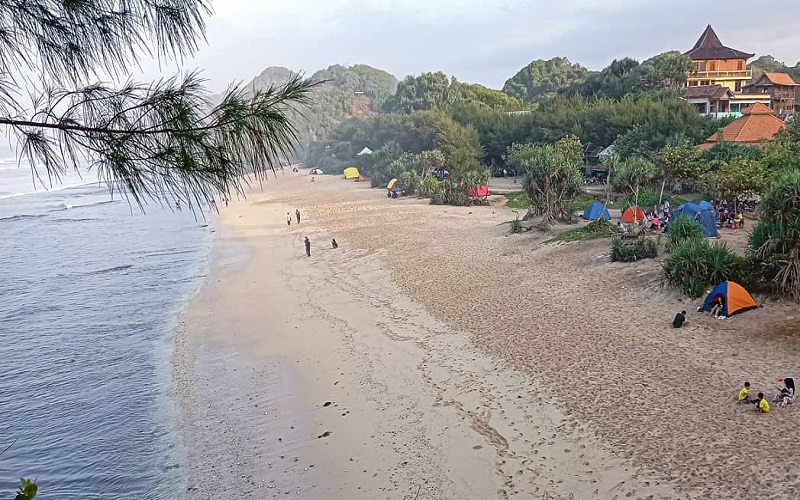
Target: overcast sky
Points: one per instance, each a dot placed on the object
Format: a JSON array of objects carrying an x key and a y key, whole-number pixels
[{"x": 483, "y": 41}]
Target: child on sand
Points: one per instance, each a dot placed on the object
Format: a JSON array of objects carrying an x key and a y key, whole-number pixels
[
  {"x": 761, "y": 404},
  {"x": 679, "y": 320},
  {"x": 744, "y": 394}
]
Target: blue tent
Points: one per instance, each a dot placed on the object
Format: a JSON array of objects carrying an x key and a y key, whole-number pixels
[
  {"x": 701, "y": 212},
  {"x": 735, "y": 298},
  {"x": 595, "y": 210}
]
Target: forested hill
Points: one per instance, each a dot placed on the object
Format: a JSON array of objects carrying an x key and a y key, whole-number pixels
[
  {"x": 770, "y": 64},
  {"x": 345, "y": 92}
]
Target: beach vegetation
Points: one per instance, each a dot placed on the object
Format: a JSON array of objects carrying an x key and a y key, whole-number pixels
[
  {"x": 600, "y": 228},
  {"x": 517, "y": 201},
  {"x": 27, "y": 490},
  {"x": 775, "y": 239},
  {"x": 633, "y": 250},
  {"x": 694, "y": 264},
  {"x": 515, "y": 225},
  {"x": 552, "y": 177},
  {"x": 630, "y": 174},
  {"x": 682, "y": 229},
  {"x": 149, "y": 141}
]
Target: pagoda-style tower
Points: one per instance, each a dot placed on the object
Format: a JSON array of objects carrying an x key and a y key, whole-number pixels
[{"x": 716, "y": 64}]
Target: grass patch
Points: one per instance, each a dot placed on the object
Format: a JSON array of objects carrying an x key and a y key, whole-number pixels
[
  {"x": 600, "y": 228},
  {"x": 518, "y": 201}
]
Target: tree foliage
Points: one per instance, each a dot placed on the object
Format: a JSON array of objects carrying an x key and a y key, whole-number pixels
[
  {"x": 552, "y": 177},
  {"x": 541, "y": 79},
  {"x": 151, "y": 141},
  {"x": 630, "y": 174},
  {"x": 680, "y": 162},
  {"x": 775, "y": 240}
]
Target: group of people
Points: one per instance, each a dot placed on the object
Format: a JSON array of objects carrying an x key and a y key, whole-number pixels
[
  {"x": 306, "y": 241},
  {"x": 783, "y": 397}
]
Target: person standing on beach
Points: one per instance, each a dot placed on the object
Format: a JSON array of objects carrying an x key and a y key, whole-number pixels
[
  {"x": 308, "y": 247},
  {"x": 297, "y": 213},
  {"x": 288, "y": 219},
  {"x": 334, "y": 244}
]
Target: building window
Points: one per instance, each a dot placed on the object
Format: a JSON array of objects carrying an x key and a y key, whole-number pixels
[
  {"x": 738, "y": 86},
  {"x": 701, "y": 66}
]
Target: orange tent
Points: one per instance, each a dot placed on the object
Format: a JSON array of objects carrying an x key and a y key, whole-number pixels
[
  {"x": 735, "y": 298},
  {"x": 633, "y": 215}
]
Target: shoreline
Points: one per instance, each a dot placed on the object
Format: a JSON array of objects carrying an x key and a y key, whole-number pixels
[{"x": 414, "y": 405}]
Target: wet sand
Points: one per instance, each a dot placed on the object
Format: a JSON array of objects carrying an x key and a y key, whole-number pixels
[{"x": 459, "y": 362}]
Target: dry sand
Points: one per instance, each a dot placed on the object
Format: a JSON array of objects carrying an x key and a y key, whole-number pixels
[{"x": 463, "y": 363}]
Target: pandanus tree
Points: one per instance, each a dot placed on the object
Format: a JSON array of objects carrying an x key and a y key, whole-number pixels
[
  {"x": 775, "y": 240},
  {"x": 153, "y": 141},
  {"x": 552, "y": 177}
]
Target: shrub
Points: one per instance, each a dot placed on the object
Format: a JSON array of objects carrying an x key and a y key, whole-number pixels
[
  {"x": 410, "y": 181},
  {"x": 633, "y": 250},
  {"x": 693, "y": 265},
  {"x": 599, "y": 228},
  {"x": 682, "y": 229},
  {"x": 516, "y": 226},
  {"x": 428, "y": 187}
]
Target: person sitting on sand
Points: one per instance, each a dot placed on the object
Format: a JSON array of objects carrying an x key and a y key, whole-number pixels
[
  {"x": 717, "y": 306},
  {"x": 654, "y": 223},
  {"x": 334, "y": 244},
  {"x": 744, "y": 394},
  {"x": 761, "y": 404},
  {"x": 679, "y": 320},
  {"x": 785, "y": 394}
]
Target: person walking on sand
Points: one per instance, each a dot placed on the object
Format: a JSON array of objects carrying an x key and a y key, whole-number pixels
[
  {"x": 308, "y": 247},
  {"x": 297, "y": 213},
  {"x": 334, "y": 244},
  {"x": 288, "y": 219}
]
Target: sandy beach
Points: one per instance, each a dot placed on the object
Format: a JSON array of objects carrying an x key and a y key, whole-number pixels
[{"x": 434, "y": 356}]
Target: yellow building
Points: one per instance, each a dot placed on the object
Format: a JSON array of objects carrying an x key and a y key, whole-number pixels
[{"x": 716, "y": 64}]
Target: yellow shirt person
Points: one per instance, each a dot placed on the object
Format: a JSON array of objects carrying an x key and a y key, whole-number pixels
[
  {"x": 744, "y": 393},
  {"x": 762, "y": 404}
]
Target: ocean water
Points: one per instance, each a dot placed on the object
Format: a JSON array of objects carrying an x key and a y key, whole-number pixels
[{"x": 91, "y": 292}]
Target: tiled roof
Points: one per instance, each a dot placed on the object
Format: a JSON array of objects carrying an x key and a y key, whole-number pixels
[
  {"x": 780, "y": 79},
  {"x": 757, "y": 124},
  {"x": 706, "y": 91},
  {"x": 709, "y": 46}
]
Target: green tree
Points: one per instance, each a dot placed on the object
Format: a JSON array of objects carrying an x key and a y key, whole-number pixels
[
  {"x": 552, "y": 177},
  {"x": 665, "y": 71},
  {"x": 775, "y": 239},
  {"x": 416, "y": 93},
  {"x": 459, "y": 145},
  {"x": 151, "y": 141},
  {"x": 541, "y": 79},
  {"x": 680, "y": 162},
  {"x": 630, "y": 174},
  {"x": 737, "y": 177}
]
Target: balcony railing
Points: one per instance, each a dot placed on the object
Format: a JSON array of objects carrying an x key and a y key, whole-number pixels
[{"x": 714, "y": 75}]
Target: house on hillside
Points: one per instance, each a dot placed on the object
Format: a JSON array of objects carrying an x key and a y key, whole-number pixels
[
  {"x": 757, "y": 126},
  {"x": 710, "y": 99},
  {"x": 781, "y": 90},
  {"x": 716, "y": 64}
]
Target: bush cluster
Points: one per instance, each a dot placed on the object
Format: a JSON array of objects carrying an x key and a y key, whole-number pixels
[
  {"x": 599, "y": 228},
  {"x": 694, "y": 264},
  {"x": 633, "y": 250}
]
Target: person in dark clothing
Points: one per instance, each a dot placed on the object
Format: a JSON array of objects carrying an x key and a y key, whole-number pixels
[
  {"x": 679, "y": 320},
  {"x": 297, "y": 213},
  {"x": 288, "y": 219},
  {"x": 308, "y": 247},
  {"x": 334, "y": 244}
]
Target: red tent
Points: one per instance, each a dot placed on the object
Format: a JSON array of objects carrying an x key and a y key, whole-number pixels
[
  {"x": 478, "y": 192},
  {"x": 633, "y": 215}
]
